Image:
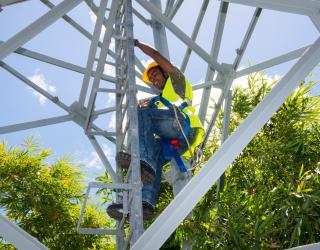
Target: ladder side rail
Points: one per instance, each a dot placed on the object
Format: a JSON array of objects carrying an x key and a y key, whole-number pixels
[
  {"x": 120, "y": 241},
  {"x": 136, "y": 218}
]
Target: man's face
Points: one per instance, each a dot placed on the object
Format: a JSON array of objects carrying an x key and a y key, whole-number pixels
[{"x": 156, "y": 77}]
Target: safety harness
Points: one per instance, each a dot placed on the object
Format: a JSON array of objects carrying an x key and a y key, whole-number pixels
[{"x": 170, "y": 147}]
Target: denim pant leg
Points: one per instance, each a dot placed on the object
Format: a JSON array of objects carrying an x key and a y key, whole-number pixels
[
  {"x": 150, "y": 152},
  {"x": 147, "y": 140},
  {"x": 163, "y": 123},
  {"x": 150, "y": 191}
]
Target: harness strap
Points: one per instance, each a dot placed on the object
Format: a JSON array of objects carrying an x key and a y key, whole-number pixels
[
  {"x": 170, "y": 151},
  {"x": 170, "y": 148}
]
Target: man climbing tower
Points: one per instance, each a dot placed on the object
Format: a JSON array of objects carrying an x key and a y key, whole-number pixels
[{"x": 168, "y": 128}]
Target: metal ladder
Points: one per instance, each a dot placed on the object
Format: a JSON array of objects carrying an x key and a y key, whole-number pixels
[
  {"x": 119, "y": 25},
  {"x": 127, "y": 188}
]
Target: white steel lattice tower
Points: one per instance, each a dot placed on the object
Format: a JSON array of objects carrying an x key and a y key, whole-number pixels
[{"x": 112, "y": 46}]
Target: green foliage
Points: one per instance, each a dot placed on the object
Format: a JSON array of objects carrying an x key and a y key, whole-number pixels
[
  {"x": 44, "y": 199},
  {"x": 271, "y": 197}
]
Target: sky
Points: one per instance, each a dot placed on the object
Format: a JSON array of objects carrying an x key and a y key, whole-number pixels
[{"x": 276, "y": 33}]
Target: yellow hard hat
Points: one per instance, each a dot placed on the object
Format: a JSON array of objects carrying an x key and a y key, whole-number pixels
[{"x": 145, "y": 76}]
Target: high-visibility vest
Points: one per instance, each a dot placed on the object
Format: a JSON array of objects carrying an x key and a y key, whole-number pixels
[{"x": 169, "y": 94}]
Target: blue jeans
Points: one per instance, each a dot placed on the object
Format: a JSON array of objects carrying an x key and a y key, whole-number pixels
[{"x": 155, "y": 123}]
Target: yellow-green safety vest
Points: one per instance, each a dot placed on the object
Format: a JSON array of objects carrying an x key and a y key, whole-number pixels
[{"x": 169, "y": 94}]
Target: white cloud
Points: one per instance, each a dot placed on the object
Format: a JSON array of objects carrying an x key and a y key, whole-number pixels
[{"x": 40, "y": 80}]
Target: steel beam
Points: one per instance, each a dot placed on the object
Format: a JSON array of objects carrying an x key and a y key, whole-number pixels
[
  {"x": 101, "y": 62},
  {"x": 216, "y": 83},
  {"x": 175, "y": 9},
  {"x": 246, "y": 38},
  {"x": 101, "y": 132},
  {"x": 104, "y": 111},
  {"x": 168, "y": 8},
  {"x": 36, "y": 27},
  {"x": 9, "y": 2},
  {"x": 100, "y": 185},
  {"x": 221, "y": 19},
  {"x": 78, "y": 27},
  {"x": 18, "y": 237},
  {"x": 316, "y": 21},
  {"x": 180, "y": 34},
  {"x": 77, "y": 118},
  {"x": 225, "y": 134},
  {"x": 228, "y": 82},
  {"x": 58, "y": 63},
  {"x": 305, "y": 7},
  {"x": 272, "y": 62},
  {"x": 136, "y": 216},
  {"x": 31, "y": 84},
  {"x": 103, "y": 158},
  {"x": 194, "y": 34},
  {"x": 314, "y": 246},
  {"x": 120, "y": 241},
  {"x": 159, "y": 32},
  {"x": 69, "y": 20},
  {"x": 141, "y": 17},
  {"x": 92, "y": 51},
  {"x": 182, "y": 205},
  {"x": 35, "y": 124}
]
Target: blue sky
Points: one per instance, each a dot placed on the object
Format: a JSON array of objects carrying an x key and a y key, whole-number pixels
[{"x": 276, "y": 33}]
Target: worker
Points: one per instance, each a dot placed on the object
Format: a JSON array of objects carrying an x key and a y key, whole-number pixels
[{"x": 168, "y": 128}]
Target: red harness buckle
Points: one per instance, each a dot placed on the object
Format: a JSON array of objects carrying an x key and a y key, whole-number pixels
[{"x": 175, "y": 143}]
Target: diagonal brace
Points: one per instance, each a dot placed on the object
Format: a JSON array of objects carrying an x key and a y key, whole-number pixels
[
  {"x": 35, "y": 124},
  {"x": 180, "y": 34},
  {"x": 36, "y": 27}
]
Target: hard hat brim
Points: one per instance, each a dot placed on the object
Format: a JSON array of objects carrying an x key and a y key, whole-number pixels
[{"x": 145, "y": 76}]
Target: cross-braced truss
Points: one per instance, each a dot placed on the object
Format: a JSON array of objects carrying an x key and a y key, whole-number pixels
[{"x": 111, "y": 45}]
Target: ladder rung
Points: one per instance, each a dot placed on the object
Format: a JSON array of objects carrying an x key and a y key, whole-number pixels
[
  {"x": 97, "y": 184},
  {"x": 120, "y": 38},
  {"x": 103, "y": 133},
  {"x": 107, "y": 62},
  {"x": 116, "y": 91},
  {"x": 99, "y": 231},
  {"x": 120, "y": 24},
  {"x": 111, "y": 63}
]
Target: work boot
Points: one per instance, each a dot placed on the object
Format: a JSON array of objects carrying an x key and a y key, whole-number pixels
[
  {"x": 115, "y": 211},
  {"x": 147, "y": 173}
]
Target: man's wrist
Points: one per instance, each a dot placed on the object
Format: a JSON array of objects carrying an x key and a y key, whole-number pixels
[{"x": 136, "y": 42}]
